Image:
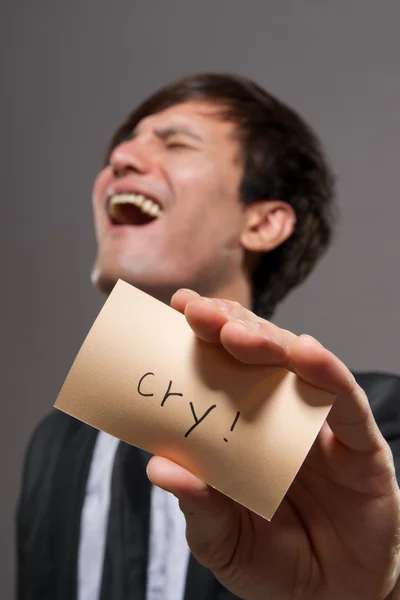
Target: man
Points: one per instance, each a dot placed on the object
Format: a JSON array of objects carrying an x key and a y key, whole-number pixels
[{"x": 214, "y": 185}]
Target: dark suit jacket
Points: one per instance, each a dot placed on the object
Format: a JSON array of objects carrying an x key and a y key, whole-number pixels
[{"x": 53, "y": 488}]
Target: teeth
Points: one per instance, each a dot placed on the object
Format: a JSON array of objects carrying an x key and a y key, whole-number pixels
[
  {"x": 146, "y": 205},
  {"x": 155, "y": 211}
]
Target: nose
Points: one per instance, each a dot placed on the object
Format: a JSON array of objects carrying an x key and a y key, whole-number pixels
[{"x": 128, "y": 157}]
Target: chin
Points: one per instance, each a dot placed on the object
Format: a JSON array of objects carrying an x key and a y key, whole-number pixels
[
  {"x": 160, "y": 279},
  {"x": 104, "y": 282}
]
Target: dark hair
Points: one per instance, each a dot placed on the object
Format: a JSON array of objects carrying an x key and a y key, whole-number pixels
[{"x": 283, "y": 160}]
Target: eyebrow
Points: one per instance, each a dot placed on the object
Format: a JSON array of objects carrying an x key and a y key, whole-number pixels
[{"x": 168, "y": 132}]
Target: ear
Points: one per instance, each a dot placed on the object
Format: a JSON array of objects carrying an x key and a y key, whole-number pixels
[{"x": 268, "y": 223}]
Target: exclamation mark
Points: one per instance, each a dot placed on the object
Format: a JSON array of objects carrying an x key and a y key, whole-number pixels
[{"x": 234, "y": 423}]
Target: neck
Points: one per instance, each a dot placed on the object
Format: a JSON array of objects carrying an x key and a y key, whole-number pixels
[{"x": 238, "y": 290}]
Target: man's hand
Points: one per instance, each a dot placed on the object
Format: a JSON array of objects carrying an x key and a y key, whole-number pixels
[{"x": 336, "y": 534}]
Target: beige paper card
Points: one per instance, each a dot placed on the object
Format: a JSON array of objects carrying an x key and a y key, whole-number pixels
[{"x": 143, "y": 376}]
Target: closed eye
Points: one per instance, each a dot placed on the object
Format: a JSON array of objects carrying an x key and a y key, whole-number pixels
[{"x": 176, "y": 145}]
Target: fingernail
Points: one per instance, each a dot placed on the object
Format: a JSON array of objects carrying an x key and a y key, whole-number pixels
[
  {"x": 187, "y": 291},
  {"x": 312, "y": 340},
  {"x": 220, "y": 304},
  {"x": 252, "y": 326},
  {"x": 147, "y": 473}
]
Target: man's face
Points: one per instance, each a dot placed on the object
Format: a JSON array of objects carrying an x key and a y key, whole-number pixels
[{"x": 183, "y": 166}]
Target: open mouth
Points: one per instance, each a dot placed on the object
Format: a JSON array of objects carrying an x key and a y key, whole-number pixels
[{"x": 132, "y": 209}]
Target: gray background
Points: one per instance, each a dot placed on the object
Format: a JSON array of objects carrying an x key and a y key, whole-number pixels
[{"x": 72, "y": 70}]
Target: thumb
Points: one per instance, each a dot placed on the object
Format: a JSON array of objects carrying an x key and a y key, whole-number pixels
[{"x": 212, "y": 519}]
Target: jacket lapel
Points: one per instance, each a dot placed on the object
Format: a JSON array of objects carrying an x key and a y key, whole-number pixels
[{"x": 71, "y": 473}]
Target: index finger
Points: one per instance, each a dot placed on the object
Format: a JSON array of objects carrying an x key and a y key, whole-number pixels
[{"x": 350, "y": 418}]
